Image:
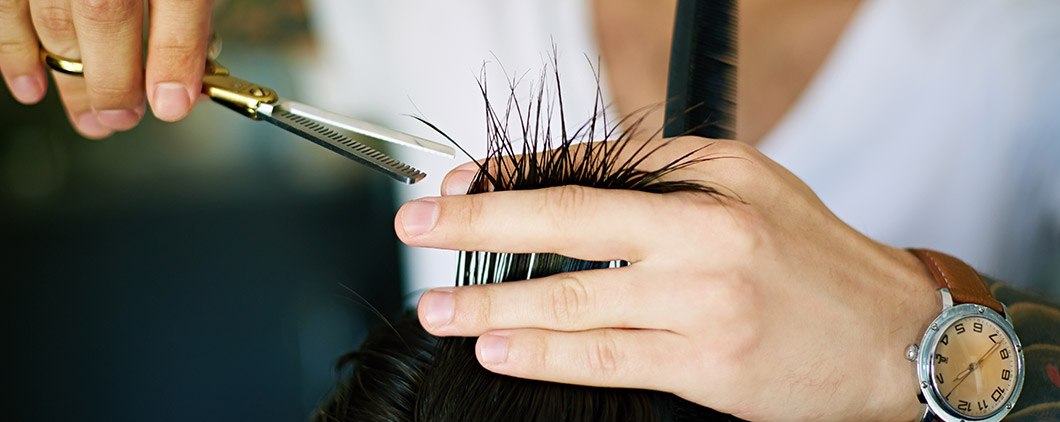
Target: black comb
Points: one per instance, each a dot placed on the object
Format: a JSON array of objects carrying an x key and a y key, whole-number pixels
[
  {"x": 701, "y": 101},
  {"x": 701, "y": 89}
]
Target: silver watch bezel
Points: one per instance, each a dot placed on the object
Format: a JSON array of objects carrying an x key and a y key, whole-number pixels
[{"x": 926, "y": 364}]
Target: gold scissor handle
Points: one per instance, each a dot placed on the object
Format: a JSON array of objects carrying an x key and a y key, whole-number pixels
[
  {"x": 73, "y": 67},
  {"x": 234, "y": 93}
]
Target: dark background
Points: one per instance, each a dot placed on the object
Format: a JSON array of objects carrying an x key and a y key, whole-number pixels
[{"x": 211, "y": 269}]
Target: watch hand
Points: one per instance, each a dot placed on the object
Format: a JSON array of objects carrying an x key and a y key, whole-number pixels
[
  {"x": 971, "y": 368},
  {"x": 987, "y": 354},
  {"x": 963, "y": 375}
]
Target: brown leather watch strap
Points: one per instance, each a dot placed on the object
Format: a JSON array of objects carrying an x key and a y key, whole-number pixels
[{"x": 964, "y": 283}]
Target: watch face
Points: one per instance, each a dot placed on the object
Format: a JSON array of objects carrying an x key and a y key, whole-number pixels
[{"x": 974, "y": 367}]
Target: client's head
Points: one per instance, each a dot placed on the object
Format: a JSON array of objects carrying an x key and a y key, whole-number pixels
[{"x": 402, "y": 373}]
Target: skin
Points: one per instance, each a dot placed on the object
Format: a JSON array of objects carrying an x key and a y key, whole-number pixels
[
  {"x": 106, "y": 35},
  {"x": 769, "y": 308},
  {"x": 782, "y": 45},
  {"x": 634, "y": 41}
]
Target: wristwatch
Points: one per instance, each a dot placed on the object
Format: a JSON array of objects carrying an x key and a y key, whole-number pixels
[{"x": 970, "y": 362}]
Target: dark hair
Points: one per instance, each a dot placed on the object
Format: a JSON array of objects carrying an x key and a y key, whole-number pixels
[{"x": 402, "y": 373}]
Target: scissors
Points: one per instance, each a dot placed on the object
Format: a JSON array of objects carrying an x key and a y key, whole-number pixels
[{"x": 319, "y": 126}]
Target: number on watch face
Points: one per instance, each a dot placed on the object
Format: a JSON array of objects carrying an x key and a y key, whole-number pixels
[{"x": 975, "y": 367}]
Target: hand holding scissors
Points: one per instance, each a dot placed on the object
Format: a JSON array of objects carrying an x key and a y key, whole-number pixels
[
  {"x": 108, "y": 36},
  {"x": 95, "y": 50},
  {"x": 329, "y": 130}
]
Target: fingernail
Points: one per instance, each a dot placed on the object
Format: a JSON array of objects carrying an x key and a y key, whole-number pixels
[
  {"x": 494, "y": 349},
  {"x": 457, "y": 182},
  {"x": 418, "y": 217},
  {"x": 439, "y": 304},
  {"x": 88, "y": 124},
  {"x": 27, "y": 89},
  {"x": 118, "y": 119},
  {"x": 171, "y": 101}
]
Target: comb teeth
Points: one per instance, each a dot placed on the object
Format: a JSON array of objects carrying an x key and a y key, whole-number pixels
[
  {"x": 478, "y": 267},
  {"x": 329, "y": 138},
  {"x": 701, "y": 89}
]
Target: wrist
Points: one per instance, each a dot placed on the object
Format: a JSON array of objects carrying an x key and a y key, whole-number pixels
[{"x": 920, "y": 304}]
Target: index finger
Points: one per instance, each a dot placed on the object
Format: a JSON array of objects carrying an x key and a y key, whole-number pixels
[{"x": 575, "y": 221}]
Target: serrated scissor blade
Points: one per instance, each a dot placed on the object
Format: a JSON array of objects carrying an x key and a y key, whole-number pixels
[
  {"x": 343, "y": 145},
  {"x": 366, "y": 129}
]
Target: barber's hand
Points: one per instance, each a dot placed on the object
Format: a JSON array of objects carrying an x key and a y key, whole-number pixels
[
  {"x": 106, "y": 35},
  {"x": 763, "y": 305}
]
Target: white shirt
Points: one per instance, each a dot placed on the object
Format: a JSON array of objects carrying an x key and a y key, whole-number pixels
[
  {"x": 384, "y": 59},
  {"x": 933, "y": 123},
  {"x": 937, "y": 124}
]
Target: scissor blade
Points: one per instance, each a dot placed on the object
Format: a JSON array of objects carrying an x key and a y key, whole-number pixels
[
  {"x": 342, "y": 144},
  {"x": 365, "y": 128}
]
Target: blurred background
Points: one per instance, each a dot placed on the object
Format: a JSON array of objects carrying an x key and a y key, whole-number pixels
[
  {"x": 211, "y": 269},
  {"x": 215, "y": 268}
]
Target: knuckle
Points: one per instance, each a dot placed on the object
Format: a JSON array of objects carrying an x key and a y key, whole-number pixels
[
  {"x": 744, "y": 339},
  {"x": 12, "y": 8},
  {"x": 743, "y": 230},
  {"x": 105, "y": 11},
  {"x": 112, "y": 95},
  {"x": 741, "y": 164},
  {"x": 16, "y": 48},
  {"x": 57, "y": 20},
  {"x": 110, "y": 90},
  {"x": 735, "y": 304},
  {"x": 175, "y": 61},
  {"x": 737, "y": 299},
  {"x": 472, "y": 209},
  {"x": 544, "y": 362},
  {"x": 179, "y": 52},
  {"x": 562, "y": 202},
  {"x": 735, "y": 148},
  {"x": 191, "y": 5},
  {"x": 745, "y": 233},
  {"x": 603, "y": 356},
  {"x": 568, "y": 301},
  {"x": 483, "y": 300}
]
